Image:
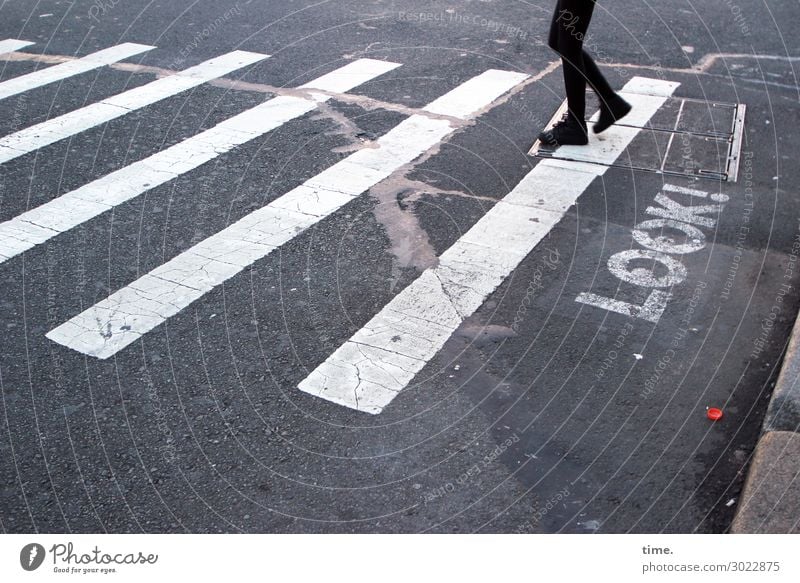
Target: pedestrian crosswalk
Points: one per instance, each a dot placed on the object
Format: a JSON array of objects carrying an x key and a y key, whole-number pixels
[
  {"x": 74, "y": 208},
  {"x": 135, "y": 310},
  {"x": 370, "y": 369},
  {"x": 79, "y": 120}
]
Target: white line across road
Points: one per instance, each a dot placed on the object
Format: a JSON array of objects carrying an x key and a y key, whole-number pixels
[
  {"x": 112, "y": 324},
  {"x": 64, "y": 70},
  {"x": 369, "y": 370},
  {"x": 74, "y": 122},
  {"x": 10, "y": 45},
  {"x": 37, "y": 225}
]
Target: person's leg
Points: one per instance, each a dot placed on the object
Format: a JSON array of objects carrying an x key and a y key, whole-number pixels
[
  {"x": 612, "y": 106},
  {"x": 567, "y": 31},
  {"x": 596, "y": 79}
]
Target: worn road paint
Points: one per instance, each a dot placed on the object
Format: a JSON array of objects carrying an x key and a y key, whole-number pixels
[
  {"x": 672, "y": 216},
  {"x": 131, "y": 312},
  {"x": 368, "y": 371},
  {"x": 63, "y": 71},
  {"x": 74, "y": 122}
]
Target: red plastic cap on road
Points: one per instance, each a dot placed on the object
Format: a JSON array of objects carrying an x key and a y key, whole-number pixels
[{"x": 714, "y": 414}]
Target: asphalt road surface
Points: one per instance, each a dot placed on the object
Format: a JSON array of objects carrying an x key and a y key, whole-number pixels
[{"x": 288, "y": 266}]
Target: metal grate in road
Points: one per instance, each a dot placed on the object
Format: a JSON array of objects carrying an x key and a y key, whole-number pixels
[{"x": 688, "y": 137}]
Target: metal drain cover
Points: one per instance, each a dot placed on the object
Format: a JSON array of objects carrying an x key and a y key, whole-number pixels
[{"x": 687, "y": 137}]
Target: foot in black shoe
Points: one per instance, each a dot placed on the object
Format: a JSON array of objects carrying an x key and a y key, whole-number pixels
[
  {"x": 568, "y": 132},
  {"x": 611, "y": 112}
]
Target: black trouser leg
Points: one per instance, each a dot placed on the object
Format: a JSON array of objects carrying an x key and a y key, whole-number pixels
[
  {"x": 567, "y": 31},
  {"x": 596, "y": 79}
]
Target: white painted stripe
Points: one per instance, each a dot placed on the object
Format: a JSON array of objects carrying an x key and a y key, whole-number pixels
[
  {"x": 82, "y": 204},
  {"x": 74, "y": 122},
  {"x": 648, "y": 86},
  {"x": 10, "y": 45},
  {"x": 381, "y": 359},
  {"x": 64, "y": 70},
  {"x": 485, "y": 88},
  {"x": 131, "y": 312},
  {"x": 352, "y": 75},
  {"x": 684, "y": 190}
]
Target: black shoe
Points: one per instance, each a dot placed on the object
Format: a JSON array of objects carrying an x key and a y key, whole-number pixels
[
  {"x": 611, "y": 112},
  {"x": 568, "y": 132}
]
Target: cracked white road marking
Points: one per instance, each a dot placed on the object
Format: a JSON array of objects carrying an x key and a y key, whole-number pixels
[
  {"x": 369, "y": 370},
  {"x": 82, "y": 204},
  {"x": 74, "y": 122},
  {"x": 64, "y": 70},
  {"x": 131, "y": 312},
  {"x": 10, "y": 45}
]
